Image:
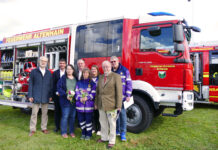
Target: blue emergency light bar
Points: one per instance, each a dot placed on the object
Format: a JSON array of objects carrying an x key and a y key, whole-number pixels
[{"x": 160, "y": 14}]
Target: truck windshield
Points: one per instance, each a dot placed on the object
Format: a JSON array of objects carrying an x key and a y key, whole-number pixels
[{"x": 160, "y": 41}]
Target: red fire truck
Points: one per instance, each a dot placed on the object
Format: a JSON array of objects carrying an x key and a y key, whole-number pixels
[
  {"x": 205, "y": 62},
  {"x": 153, "y": 48}
]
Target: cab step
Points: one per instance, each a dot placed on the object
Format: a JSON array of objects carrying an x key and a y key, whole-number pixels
[{"x": 169, "y": 115}]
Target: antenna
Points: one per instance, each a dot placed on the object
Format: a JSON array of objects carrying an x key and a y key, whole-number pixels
[{"x": 87, "y": 5}]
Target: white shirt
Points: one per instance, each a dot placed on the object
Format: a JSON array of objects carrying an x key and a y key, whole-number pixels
[
  {"x": 42, "y": 71},
  {"x": 62, "y": 73},
  {"x": 80, "y": 75},
  {"x": 94, "y": 79}
]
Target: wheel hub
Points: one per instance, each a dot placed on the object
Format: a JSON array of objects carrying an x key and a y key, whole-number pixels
[{"x": 134, "y": 115}]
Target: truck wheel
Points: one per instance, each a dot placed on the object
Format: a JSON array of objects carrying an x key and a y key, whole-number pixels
[
  {"x": 26, "y": 110},
  {"x": 159, "y": 111},
  {"x": 139, "y": 115}
]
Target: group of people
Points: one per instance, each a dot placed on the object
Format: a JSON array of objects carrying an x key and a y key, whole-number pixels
[{"x": 96, "y": 100}]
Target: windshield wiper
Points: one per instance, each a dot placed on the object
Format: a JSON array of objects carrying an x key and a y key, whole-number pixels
[{"x": 148, "y": 50}]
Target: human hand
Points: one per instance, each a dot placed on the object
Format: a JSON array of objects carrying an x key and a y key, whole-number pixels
[
  {"x": 69, "y": 98},
  {"x": 82, "y": 100},
  {"x": 128, "y": 99},
  {"x": 118, "y": 109},
  {"x": 96, "y": 107},
  {"x": 50, "y": 99},
  {"x": 31, "y": 99},
  {"x": 85, "y": 99}
]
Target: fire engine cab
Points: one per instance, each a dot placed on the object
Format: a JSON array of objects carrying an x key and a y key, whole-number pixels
[
  {"x": 205, "y": 61},
  {"x": 154, "y": 48}
]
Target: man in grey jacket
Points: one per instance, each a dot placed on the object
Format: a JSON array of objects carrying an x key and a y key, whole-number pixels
[{"x": 40, "y": 93}]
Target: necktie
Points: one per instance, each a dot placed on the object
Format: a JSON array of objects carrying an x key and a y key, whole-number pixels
[{"x": 105, "y": 79}]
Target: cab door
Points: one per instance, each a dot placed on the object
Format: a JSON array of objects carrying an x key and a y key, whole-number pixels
[{"x": 153, "y": 55}]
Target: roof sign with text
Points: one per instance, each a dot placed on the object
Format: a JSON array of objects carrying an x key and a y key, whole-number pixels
[{"x": 37, "y": 35}]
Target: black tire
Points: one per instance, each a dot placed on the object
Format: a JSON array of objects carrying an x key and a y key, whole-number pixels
[
  {"x": 26, "y": 110},
  {"x": 159, "y": 111},
  {"x": 139, "y": 115}
]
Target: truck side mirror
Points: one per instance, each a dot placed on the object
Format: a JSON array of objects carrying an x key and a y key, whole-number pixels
[
  {"x": 195, "y": 29},
  {"x": 154, "y": 31},
  {"x": 178, "y": 33},
  {"x": 179, "y": 47}
]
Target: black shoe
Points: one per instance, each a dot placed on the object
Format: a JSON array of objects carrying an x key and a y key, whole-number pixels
[
  {"x": 56, "y": 130},
  {"x": 110, "y": 146}
]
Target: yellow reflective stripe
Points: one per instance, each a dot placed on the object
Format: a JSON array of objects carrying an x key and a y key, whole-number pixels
[
  {"x": 206, "y": 48},
  {"x": 206, "y": 76},
  {"x": 213, "y": 89},
  {"x": 214, "y": 96}
]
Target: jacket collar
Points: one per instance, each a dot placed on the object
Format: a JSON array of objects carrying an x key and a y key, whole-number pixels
[
  {"x": 85, "y": 80},
  {"x": 46, "y": 70},
  {"x": 119, "y": 67}
]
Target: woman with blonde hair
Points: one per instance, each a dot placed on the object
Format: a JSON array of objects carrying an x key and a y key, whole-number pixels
[{"x": 85, "y": 94}]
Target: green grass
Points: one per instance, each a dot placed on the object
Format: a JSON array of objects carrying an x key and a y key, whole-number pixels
[{"x": 195, "y": 130}]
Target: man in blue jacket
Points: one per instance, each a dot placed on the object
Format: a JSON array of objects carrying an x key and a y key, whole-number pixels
[
  {"x": 127, "y": 91},
  {"x": 40, "y": 93}
]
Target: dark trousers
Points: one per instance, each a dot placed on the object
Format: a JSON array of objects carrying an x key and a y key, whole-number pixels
[
  {"x": 57, "y": 112},
  {"x": 85, "y": 122},
  {"x": 96, "y": 123}
]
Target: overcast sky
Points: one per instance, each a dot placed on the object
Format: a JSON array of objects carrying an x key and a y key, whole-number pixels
[{"x": 18, "y": 16}]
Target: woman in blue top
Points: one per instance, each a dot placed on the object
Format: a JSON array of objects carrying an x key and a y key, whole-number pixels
[
  {"x": 85, "y": 93},
  {"x": 66, "y": 89}
]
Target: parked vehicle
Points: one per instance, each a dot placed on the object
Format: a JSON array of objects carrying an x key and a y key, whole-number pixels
[
  {"x": 205, "y": 61},
  {"x": 154, "y": 48}
]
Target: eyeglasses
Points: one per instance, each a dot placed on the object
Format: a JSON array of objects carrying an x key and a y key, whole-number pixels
[{"x": 113, "y": 61}]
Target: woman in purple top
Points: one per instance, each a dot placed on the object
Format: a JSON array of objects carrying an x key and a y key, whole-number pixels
[{"x": 85, "y": 94}]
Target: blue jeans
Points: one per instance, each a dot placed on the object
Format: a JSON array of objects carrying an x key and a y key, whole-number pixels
[
  {"x": 68, "y": 118},
  {"x": 121, "y": 121}
]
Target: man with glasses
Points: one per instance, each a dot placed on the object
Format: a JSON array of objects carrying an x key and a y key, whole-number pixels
[{"x": 127, "y": 91}]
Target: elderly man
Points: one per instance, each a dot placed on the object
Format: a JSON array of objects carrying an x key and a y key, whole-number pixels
[
  {"x": 81, "y": 65},
  {"x": 127, "y": 91},
  {"x": 40, "y": 93},
  {"x": 108, "y": 101}
]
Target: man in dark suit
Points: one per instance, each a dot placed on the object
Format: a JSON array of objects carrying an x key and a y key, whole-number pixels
[
  {"x": 56, "y": 76},
  {"x": 40, "y": 93}
]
